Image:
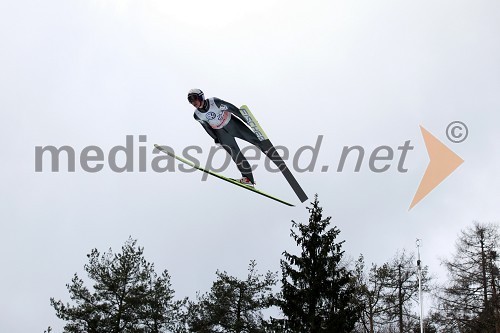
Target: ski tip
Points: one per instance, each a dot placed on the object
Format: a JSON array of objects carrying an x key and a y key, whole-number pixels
[{"x": 166, "y": 149}]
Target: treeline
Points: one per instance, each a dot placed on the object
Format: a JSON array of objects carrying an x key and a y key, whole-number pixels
[{"x": 318, "y": 290}]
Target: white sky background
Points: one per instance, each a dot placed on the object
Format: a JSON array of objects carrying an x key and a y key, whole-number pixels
[{"x": 368, "y": 73}]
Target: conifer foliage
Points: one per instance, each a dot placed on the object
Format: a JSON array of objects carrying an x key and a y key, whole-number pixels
[
  {"x": 318, "y": 293},
  {"x": 127, "y": 296}
]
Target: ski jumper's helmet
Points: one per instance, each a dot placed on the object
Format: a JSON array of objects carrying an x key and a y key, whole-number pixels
[{"x": 195, "y": 94}]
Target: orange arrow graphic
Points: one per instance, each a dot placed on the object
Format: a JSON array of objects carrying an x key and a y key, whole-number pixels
[{"x": 442, "y": 163}]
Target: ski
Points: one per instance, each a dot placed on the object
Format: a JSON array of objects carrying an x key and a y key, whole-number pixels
[
  {"x": 272, "y": 153},
  {"x": 229, "y": 180}
]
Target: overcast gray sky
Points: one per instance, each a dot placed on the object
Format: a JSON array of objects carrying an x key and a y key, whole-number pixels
[{"x": 367, "y": 73}]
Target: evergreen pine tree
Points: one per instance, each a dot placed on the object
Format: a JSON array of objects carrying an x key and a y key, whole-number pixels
[
  {"x": 127, "y": 296},
  {"x": 318, "y": 292},
  {"x": 233, "y": 305}
]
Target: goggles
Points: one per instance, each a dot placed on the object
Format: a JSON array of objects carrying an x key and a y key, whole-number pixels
[{"x": 193, "y": 97}]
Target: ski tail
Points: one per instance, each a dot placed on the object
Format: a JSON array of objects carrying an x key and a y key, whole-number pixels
[
  {"x": 170, "y": 153},
  {"x": 272, "y": 153}
]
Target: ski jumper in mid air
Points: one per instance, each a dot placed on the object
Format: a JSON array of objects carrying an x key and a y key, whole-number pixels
[{"x": 215, "y": 115}]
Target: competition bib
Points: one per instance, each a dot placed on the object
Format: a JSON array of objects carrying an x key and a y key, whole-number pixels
[{"x": 216, "y": 117}]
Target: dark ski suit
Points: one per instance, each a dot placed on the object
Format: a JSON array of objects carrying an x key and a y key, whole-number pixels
[{"x": 224, "y": 128}]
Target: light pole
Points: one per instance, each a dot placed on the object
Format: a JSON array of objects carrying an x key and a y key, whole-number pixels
[{"x": 419, "y": 269}]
